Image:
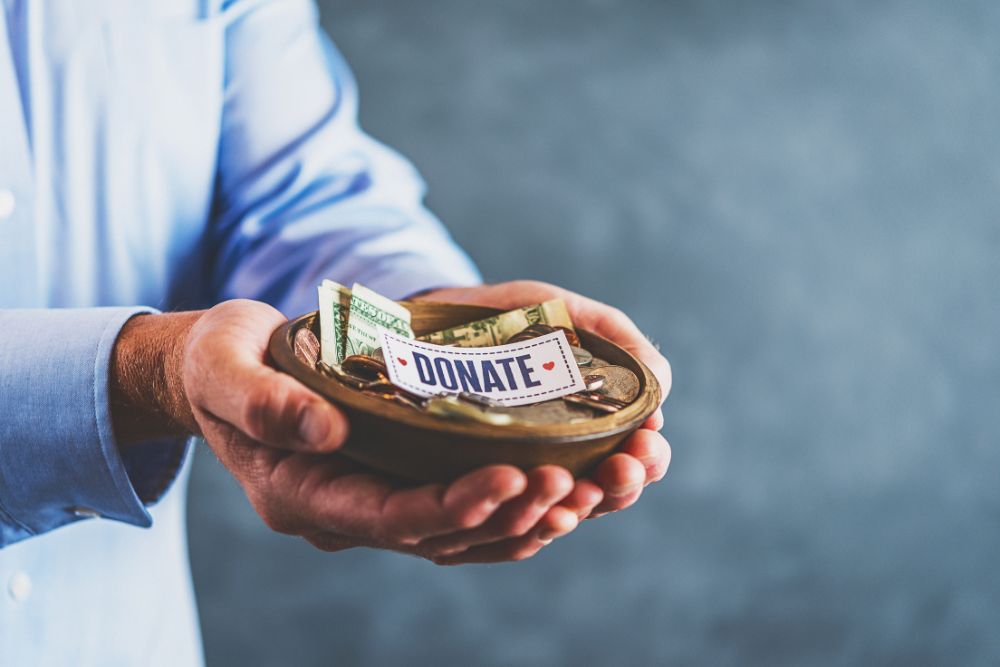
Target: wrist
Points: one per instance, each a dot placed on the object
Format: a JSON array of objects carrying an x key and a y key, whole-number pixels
[{"x": 146, "y": 378}]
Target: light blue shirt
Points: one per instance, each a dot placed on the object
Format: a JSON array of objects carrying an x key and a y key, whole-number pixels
[{"x": 160, "y": 154}]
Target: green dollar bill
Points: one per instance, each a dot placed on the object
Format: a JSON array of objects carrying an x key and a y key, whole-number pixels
[
  {"x": 334, "y": 306},
  {"x": 497, "y": 329},
  {"x": 370, "y": 313}
]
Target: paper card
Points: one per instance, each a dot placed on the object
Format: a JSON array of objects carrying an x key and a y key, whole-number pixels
[{"x": 517, "y": 374}]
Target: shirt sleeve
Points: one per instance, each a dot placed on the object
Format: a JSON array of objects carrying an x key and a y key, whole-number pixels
[
  {"x": 59, "y": 461},
  {"x": 302, "y": 193}
]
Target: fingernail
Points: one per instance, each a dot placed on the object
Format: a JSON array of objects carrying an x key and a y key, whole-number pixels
[
  {"x": 315, "y": 425},
  {"x": 620, "y": 491}
]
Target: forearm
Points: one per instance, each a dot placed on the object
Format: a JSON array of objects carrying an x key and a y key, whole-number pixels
[{"x": 147, "y": 396}]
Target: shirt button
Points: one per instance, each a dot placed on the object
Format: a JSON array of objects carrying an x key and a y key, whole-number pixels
[
  {"x": 86, "y": 513},
  {"x": 7, "y": 202},
  {"x": 19, "y": 586}
]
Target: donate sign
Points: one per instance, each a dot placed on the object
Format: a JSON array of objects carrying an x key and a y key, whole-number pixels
[{"x": 531, "y": 371}]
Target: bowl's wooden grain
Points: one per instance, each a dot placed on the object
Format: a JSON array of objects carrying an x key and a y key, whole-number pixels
[{"x": 402, "y": 441}]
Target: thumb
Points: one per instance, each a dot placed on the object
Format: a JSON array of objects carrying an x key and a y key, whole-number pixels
[
  {"x": 274, "y": 409},
  {"x": 226, "y": 377}
]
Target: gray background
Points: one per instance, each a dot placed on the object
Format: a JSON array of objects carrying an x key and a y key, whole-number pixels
[{"x": 799, "y": 201}]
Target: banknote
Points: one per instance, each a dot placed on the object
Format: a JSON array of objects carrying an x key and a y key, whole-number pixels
[
  {"x": 334, "y": 305},
  {"x": 370, "y": 313},
  {"x": 497, "y": 329}
]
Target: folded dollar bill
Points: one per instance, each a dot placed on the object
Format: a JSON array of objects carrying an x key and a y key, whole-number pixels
[
  {"x": 334, "y": 305},
  {"x": 497, "y": 329}
]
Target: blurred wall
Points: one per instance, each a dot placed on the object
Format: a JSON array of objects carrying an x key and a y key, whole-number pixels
[{"x": 799, "y": 201}]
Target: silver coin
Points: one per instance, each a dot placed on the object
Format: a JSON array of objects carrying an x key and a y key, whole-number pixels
[
  {"x": 583, "y": 358},
  {"x": 619, "y": 383},
  {"x": 593, "y": 382},
  {"x": 306, "y": 347}
]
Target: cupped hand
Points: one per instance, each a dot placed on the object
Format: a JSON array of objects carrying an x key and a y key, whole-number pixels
[
  {"x": 279, "y": 440},
  {"x": 645, "y": 455}
]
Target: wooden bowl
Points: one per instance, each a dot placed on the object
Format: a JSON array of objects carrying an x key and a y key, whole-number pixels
[{"x": 399, "y": 440}]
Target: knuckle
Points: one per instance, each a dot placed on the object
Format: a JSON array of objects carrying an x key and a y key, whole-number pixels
[{"x": 276, "y": 521}]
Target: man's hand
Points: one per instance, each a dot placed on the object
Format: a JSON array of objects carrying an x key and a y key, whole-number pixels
[
  {"x": 206, "y": 373},
  {"x": 644, "y": 457}
]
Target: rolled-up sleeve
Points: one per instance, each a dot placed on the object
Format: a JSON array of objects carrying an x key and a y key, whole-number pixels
[
  {"x": 59, "y": 461},
  {"x": 302, "y": 192}
]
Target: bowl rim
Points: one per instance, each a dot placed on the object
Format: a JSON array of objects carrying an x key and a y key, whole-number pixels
[{"x": 281, "y": 350}]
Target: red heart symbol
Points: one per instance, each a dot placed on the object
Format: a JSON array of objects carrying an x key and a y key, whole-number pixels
[
  {"x": 401, "y": 360},
  {"x": 549, "y": 365}
]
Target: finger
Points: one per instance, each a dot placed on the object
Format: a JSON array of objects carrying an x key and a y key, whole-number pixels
[
  {"x": 655, "y": 421},
  {"x": 414, "y": 515},
  {"x": 618, "y": 327},
  {"x": 652, "y": 451},
  {"x": 226, "y": 377},
  {"x": 558, "y": 521},
  {"x": 371, "y": 507},
  {"x": 547, "y": 485},
  {"x": 331, "y": 542},
  {"x": 621, "y": 477},
  {"x": 584, "y": 497}
]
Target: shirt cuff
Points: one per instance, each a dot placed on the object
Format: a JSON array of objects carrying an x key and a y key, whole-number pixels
[{"x": 59, "y": 460}]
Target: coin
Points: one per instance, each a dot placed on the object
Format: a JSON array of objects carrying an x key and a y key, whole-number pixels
[
  {"x": 477, "y": 399},
  {"x": 531, "y": 331},
  {"x": 593, "y": 382},
  {"x": 554, "y": 411},
  {"x": 306, "y": 347},
  {"x": 619, "y": 383},
  {"x": 591, "y": 401},
  {"x": 363, "y": 366},
  {"x": 450, "y": 407},
  {"x": 583, "y": 358},
  {"x": 571, "y": 336},
  {"x": 403, "y": 398},
  {"x": 346, "y": 378},
  {"x": 539, "y": 329}
]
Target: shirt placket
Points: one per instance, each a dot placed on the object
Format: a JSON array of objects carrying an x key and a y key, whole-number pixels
[{"x": 18, "y": 267}]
